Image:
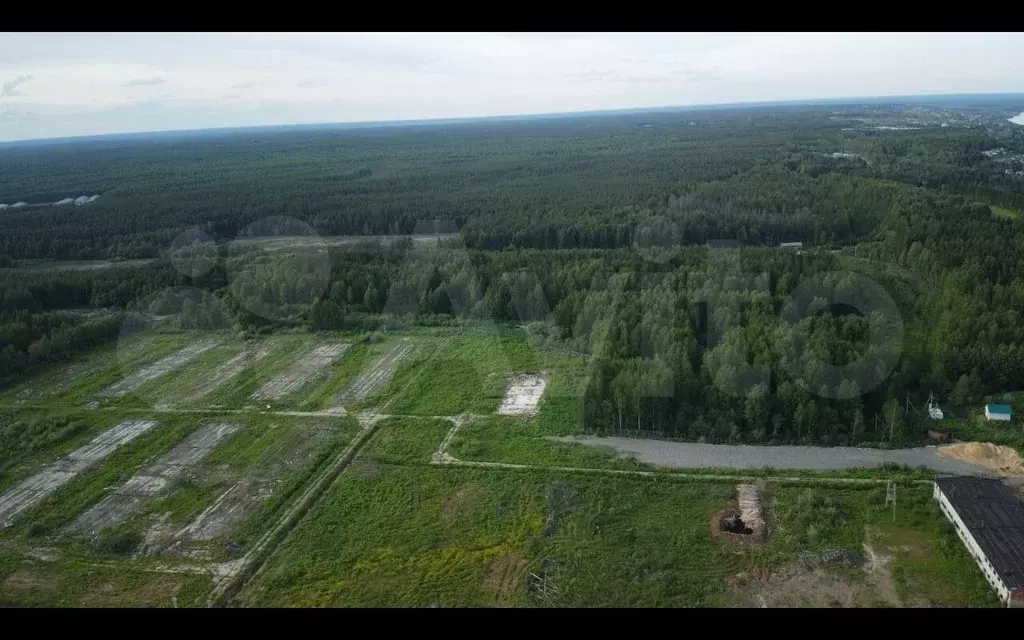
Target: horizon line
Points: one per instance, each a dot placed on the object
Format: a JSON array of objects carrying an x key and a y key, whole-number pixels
[{"x": 845, "y": 100}]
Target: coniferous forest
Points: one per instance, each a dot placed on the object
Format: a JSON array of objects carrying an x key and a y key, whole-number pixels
[{"x": 650, "y": 242}]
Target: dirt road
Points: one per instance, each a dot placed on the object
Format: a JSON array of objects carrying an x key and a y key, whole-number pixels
[{"x": 692, "y": 455}]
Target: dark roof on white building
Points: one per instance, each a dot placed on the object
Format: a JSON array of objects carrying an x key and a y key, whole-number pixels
[{"x": 995, "y": 517}]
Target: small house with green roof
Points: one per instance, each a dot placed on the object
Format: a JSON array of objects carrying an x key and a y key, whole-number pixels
[{"x": 1001, "y": 412}]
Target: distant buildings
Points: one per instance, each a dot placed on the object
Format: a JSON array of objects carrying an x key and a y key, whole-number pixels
[
  {"x": 998, "y": 412},
  {"x": 791, "y": 245},
  {"x": 989, "y": 519}
]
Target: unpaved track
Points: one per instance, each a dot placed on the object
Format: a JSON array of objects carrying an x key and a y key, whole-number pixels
[
  {"x": 153, "y": 479},
  {"x": 32, "y": 490},
  {"x": 162, "y": 366},
  {"x": 693, "y": 455}
]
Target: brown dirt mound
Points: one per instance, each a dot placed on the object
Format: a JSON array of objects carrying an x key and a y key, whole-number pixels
[
  {"x": 999, "y": 459},
  {"x": 504, "y": 574}
]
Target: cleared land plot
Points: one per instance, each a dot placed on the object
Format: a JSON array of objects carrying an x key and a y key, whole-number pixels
[
  {"x": 91, "y": 371},
  {"x": 152, "y": 480},
  {"x": 474, "y": 537},
  {"x": 376, "y": 374},
  {"x": 34, "y": 489},
  {"x": 160, "y": 367},
  {"x": 227, "y": 371},
  {"x": 660, "y": 453},
  {"x": 234, "y": 492},
  {"x": 523, "y": 395},
  {"x": 229, "y": 509},
  {"x": 469, "y": 372},
  {"x": 301, "y": 373}
]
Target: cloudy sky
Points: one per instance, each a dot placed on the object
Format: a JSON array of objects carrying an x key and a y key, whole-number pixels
[{"x": 54, "y": 85}]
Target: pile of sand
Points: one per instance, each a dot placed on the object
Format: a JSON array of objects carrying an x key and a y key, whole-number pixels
[
  {"x": 749, "y": 498},
  {"x": 1002, "y": 460}
]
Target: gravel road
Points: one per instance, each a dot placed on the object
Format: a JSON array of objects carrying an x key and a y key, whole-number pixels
[{"x": 692, "y": 455}]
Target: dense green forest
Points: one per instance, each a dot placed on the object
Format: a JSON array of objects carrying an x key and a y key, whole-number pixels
[{"x": 646, "y": 241}]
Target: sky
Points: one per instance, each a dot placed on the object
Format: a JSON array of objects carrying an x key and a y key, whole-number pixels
[{"x": 68, "y": 84}]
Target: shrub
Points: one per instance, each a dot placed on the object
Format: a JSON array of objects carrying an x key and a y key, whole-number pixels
[{"x": 120, "y": 543}]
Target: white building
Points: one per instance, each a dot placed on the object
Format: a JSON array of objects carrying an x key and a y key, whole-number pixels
[
  {"x": 989, "y": 519},
  {"x": 1000, "y": 412}
]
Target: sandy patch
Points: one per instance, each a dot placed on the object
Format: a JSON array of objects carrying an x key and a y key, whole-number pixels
[
  {"x": 1002, "y": 460},
  {"x": 32, "y": 490},
  {"x": 523, "y": 395},
  {"x": 302, "y": 372}
]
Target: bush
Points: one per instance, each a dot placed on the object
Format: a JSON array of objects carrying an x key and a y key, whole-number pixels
[
  {"x": 816, "y": 513},
  {"x": 121, "y": 543}
]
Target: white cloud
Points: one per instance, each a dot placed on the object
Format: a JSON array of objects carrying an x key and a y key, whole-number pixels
[{"x": 99, "y": 83}]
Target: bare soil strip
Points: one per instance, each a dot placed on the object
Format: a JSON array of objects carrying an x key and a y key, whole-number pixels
[
  {"x": 230, "y": 508},
  {"x": 523, "y": 395},
  {"x": 162, "y": 366},
  {"x": 226, "y": 371},
  {"x": 248, "y": 494},
  {"x": 376, "y": 375},
  {"x": 229, "y": 577},
  {"x": 153, "y": 479},
  {"x": 300, "y": 373},
  {"x": 32, "y": 490}
]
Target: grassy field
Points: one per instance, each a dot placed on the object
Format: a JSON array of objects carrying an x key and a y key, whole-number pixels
[
  {"x": 472, "y": 537},
  {"x": 395, "y": 530},
  {"x": 259, "y": 468}
]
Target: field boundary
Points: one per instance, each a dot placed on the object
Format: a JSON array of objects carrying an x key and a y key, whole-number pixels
[
  {"x": 449, "y": 461},
  {"x": 236, "y": 574},
  {"x": 239, "y": 572}
]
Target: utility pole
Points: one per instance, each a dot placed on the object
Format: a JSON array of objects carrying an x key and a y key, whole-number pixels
[
  {"x": 892, "y": 422},
  {"x": 890, "y": 496}
]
